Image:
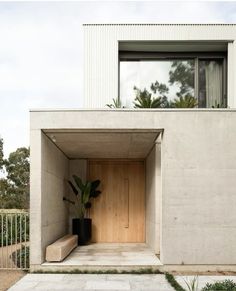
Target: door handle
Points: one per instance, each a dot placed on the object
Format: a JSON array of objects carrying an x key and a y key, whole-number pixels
[{"x": 126, "y": 193}]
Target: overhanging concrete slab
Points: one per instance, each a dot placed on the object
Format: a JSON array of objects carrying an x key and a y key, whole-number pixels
[{"x": 104, "y": 144}]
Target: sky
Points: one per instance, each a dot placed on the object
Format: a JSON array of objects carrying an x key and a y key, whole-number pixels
[{"x": 41, "y": 50}]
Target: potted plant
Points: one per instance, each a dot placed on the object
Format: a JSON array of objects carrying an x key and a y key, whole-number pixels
[{"x": 82, "y": 226}]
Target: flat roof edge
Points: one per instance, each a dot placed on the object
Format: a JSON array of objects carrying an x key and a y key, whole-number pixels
[
  {"x": 159, "y": 24},
  {"x": 135, "y": 110}
]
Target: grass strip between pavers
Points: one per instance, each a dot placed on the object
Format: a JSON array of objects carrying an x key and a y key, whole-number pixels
[
  {"x": 112, "y": 271},
  {"x": 171, "y": 279}
]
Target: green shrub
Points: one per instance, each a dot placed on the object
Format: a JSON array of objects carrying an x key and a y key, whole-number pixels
[
  {"x": 12, "y": 227},
  {"x": 21, "y": 257},
  {"x": 227, "y": 285}
]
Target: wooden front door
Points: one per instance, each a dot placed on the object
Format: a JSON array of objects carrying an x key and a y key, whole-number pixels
[{"x": 118, "y": 214}]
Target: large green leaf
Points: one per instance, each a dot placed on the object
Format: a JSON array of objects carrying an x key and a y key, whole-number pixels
[
  {"x": 95, "y": 184},
  {"x": 79, "y": 183},
  {"x": 87, "y": 190},
  {"x": 145, "y": 99},
  {"x": 86, "y": 193},
  {"x": 186, "y": 101},
  {"x": 73, "y": 188},
  {"x": 95, "y": 193}
]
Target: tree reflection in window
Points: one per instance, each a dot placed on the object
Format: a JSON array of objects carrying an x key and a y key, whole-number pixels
[
  {"x": 174, "y": 86},
  {"x": 171, "y": 83},
  {"x": 181, "y": 76}
]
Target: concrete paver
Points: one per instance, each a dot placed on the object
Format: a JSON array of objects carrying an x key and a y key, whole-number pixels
[
  {"x": 107, "y": 285},
  {"x": 92, "y": 282}
]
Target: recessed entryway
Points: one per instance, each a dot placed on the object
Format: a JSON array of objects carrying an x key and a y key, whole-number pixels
[{"x": 129, "y": 166}]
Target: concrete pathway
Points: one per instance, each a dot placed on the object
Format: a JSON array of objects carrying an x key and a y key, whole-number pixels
[
  {"x": 77, "y": 282},
  {"x": 9, "y": 278}
]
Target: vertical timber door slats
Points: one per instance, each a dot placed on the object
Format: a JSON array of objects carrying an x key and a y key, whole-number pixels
[{"x": 118, "y": 214}]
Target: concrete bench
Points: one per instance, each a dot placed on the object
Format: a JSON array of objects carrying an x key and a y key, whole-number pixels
[{"x": 61, "y": 248}]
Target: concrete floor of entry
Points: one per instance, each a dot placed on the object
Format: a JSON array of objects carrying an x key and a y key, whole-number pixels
[{"x": 110, "y": 254}]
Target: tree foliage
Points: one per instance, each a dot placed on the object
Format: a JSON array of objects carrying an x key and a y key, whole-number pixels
[
  {"x": 186, "y": 101},
  {"x": 1, "y": 154},
  {"x": 146, "y": 99},
  {"x": 181, "y": 75},
  {"x": 14, "y": 186},
  {"x": 17, "y": 167}
]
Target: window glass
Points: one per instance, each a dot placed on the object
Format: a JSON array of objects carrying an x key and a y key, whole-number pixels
[
  {"x": 169, "y": 80},
  {"x": 210, "y": 84}
]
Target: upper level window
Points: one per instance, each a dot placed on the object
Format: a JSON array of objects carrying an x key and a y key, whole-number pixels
[{"x": 169, "y": 81}]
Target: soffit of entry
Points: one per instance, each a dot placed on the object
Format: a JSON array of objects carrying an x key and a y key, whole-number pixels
[{"x": 104, "y": 144}]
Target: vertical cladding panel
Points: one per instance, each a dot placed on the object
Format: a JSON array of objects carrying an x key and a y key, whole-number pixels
[
  {"x": 85, "y": 66},
  {"x": 101, "y": 52},
  {"x": 101, "y": 67},
  {"x": 174, "y": 32},
  {"x": 231, "y": 75}
]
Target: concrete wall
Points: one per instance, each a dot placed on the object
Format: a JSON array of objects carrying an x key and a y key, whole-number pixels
[
  {"x": 198, "y": 160},
  {"x": 36, "y": 256},
  {"x": 48, "y": 211},
  {"x": 101, "y": 54},
  {"x": 153, "y": 214},
  {"x": 79, "y": 168}
]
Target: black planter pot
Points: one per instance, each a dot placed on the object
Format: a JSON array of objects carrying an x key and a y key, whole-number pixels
[{"x": 83, "y": 228}]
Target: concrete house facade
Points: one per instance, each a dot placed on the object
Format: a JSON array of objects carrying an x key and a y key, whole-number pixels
[{"x": 168, "y": 174}]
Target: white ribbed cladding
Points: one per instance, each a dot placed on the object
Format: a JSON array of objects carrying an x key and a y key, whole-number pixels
[{"x": 101, "y": 53}]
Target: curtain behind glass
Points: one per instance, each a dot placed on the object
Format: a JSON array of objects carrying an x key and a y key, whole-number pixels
[
  {"x": 210, "y": 83},
  {"x": 213, "y": 84}
]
